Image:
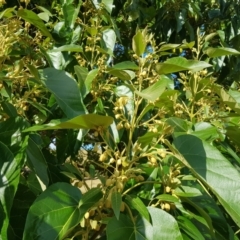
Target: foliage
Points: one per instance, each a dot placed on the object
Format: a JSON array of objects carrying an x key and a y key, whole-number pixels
[{"x": 119, "y": 119}]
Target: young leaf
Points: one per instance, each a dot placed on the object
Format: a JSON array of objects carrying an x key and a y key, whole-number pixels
[
  {"x": 139, "y": 43},
  {"x": 54, "y": 213},
  {"x": 116, "y": 200},
  {"x": 35, "y": 20},
  {"x": 153, "y": 92}
]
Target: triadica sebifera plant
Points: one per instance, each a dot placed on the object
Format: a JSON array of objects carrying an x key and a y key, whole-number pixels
[{"x": 113, "y": 131}]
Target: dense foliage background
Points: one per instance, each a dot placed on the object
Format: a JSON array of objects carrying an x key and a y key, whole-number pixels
[{"x": 120, "y": 119}]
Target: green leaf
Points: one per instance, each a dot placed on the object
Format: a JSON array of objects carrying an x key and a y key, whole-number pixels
[
  {"x": 88, "y": 82},
  {"x": 7, "y": 12},
  {"x": 35, "y": 20},
  {"x": 221, "y": 51},
  {"x": 108, "y": 4},
  {"x": 124, "y": 228},
  {"x": 215, "y": 170},
  {"x": 89, "y": 199},
  {"x": 164, "y": 225},
  {"x": 109, "y": 38},
  {"x": 177, "y": 64},
  {"x": 68, "y": 48},
  {"x": 81, "y": 73},
  {"x": 70, "y": 13},
  {"x": 123, "y": 66},
  {"x": 116, "y": 200},
  {"x": 54, "y": 213},
  {"x": 138, "y": 43},
  {"x": 37, "y": 161},
  {"x": 136, "y": 203},
  {"x": 233, "y": 133},
  {"x": 153, "y": 92},
  {"x": 189, "y": 228},
  {"x": 88, "y": 121},
  {"x": 9, "y": 109},
  {"x": 10, "y": 168},
  {"x": 10, "y": 130},
  {"x": 167, "y": 198},
  {"x": 205, "y": 131},
  {"x": 68, "y": 97},
  {"x": 123, "y": 74},
  {"x": 186, "y": 191},
  {"x": 178, "y": 124}
]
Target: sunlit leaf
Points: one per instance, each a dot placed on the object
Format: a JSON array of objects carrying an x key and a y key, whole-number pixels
[
  {"x": 89, "y": 121},
  {"x": 164, "y": 225},
  {"x": 139, "y": 43},
  {"x": 215, "y": 170},
  {"x": 54, "y": 213},
  {"x": 35, "y": 20},
  {"x": 221, "y": 51},
  {"x": 177, "y": 64}
]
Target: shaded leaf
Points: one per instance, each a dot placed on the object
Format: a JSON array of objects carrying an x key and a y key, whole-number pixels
[
  {"x": 54, "y": 213},
  {"x": 124, "y": 228},
  {"x": 37, "y": 161},
  {"x": 116, "y": 200},
  {"x": 68, "y": 97}
]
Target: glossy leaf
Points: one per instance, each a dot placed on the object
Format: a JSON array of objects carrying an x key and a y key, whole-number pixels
[
  {"x": 88, "y": 121},
  {"x": 34, "y": 19},
  {"x": 153, "y": 92},
  {"x": 136, "y": 203},
  {"x": 68, "y": 97},
  {"x": 177, "y": 64},
  {"x": 116, "y": 200},
  {"x": 124, "y": 228},
  {"x": 138, "y": 43},
  {"x": 89, "y": 79},
  {"x": 221, "y": 51},
  {"x": 123, "y": 74},
  {"x": 213, "y": 168},
  {"x": 54, "y": 213},
  {"x": 161, "y": 230}
]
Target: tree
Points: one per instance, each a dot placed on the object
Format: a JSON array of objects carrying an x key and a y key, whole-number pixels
[{"x": 119, "y": 119}]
